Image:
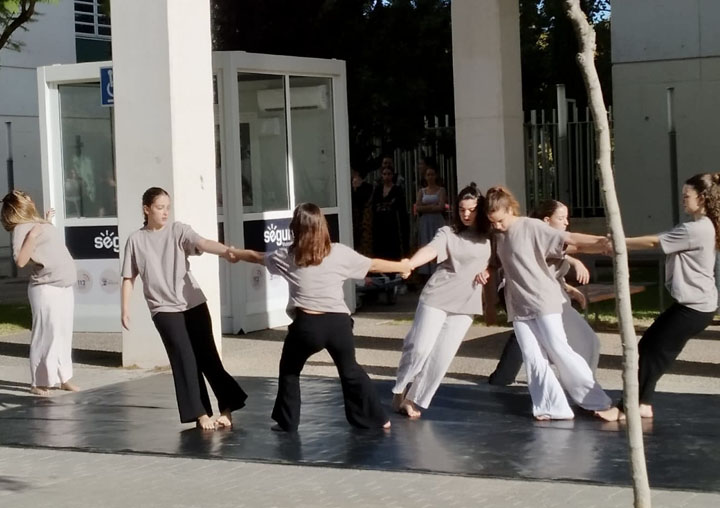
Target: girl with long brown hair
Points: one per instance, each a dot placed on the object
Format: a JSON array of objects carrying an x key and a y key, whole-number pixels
[
  {"x": 158, "y": 253},
  {"x": 50, "y": 291},
  {"x": 315, "y": 270},
  {"x": 690, "y": 250},
  {"x": 534, "y": 302}
]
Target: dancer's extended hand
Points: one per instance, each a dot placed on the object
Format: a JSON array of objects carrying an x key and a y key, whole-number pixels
[
  {"x": 577, "y": 295},
  {"x": 407, "y": 268},
  {"x": 482, "y": 277}
]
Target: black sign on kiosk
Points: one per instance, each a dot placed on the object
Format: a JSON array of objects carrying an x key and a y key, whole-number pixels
[
  {"x": 267, "y": 235},
  {"x": 93, "y": 242}
]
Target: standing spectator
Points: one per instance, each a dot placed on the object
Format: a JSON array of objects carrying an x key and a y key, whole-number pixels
[
  {"x": 50, "y": 292},
  {"x": 430, "y": 207},
  {"x": 361, "y": 213},
  {"x": 390, "y": 218}
]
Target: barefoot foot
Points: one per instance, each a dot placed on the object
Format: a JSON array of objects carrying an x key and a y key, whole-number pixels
[
  {"x": 611, "y": 414},
  {"x": 410, "y": 409},
  {"x": 69, "y": 386},
  {"x": 204, "y": 422},
  {"x": 646, "y": 411},
  {"x": 397, "y": 401},
  {"x": 42, "y": 391},
  {"x": 224, "y": 420}
]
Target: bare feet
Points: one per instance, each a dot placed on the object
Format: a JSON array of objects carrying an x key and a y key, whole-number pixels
[
  {"x": 547, "y": 418},
  {"x": 224, "y": 420},
  {"x": 611, "y": 414},
  {"x": 646, "y": 411},
  {"x": 410, "y": 409},
  {"x": 204, "y": 422},
  {"x": 42, "y": 391},
  {"x": 68, "y": 386}
]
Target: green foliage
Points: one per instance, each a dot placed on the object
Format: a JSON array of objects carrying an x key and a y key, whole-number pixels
[
  {"x": 14, "y": 317},
  {"x": 399, "y": 54},
  {"x": 15, "y": 15}
]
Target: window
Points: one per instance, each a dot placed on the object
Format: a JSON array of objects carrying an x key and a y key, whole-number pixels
[
  {"x": 87, "y": 153},
  {"x": 90, "y": 21}
]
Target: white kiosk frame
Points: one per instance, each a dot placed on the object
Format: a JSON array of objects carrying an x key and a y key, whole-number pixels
[{"x": 251, "y": 298}]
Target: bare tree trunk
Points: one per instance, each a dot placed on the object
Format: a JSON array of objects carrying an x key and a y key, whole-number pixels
[{"x": 586, "y": 61}]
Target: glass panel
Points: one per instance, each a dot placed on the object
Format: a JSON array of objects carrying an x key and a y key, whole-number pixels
[
  {"x": 84, "y": 7},
  {"x": 85, "y": 29},
  {"x": 313, "y": 141},
  {"x": 104, "y": 30},
  {"x": 85, "y": 18},
  {"x": 87, "y": 146},
  {"x": 218, "y": 169},
  {"x": 263, "y": 143}
]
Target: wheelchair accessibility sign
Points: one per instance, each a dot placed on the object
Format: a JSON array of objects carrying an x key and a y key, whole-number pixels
[{"x": 107, "y": 93}]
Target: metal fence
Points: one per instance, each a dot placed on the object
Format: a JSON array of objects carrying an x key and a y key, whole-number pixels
[{"x": 560, "y": 158}]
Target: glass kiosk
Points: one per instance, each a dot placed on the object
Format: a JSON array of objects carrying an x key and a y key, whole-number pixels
[{"x": 281, "y": 135}]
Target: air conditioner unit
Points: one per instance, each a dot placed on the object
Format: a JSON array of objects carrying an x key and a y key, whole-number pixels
[{"x": 307, "y": 97}]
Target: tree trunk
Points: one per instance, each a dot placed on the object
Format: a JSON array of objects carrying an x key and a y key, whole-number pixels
[{"x": 586, "y": 39}]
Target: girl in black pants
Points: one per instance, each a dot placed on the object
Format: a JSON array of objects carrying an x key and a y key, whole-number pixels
[
  {"x": 158, "y": 254},
  {"x": 315, "y": 270},
  {"x": 690, "y": 249}
]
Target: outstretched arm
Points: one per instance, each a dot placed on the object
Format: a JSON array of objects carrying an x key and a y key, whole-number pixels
[
  {"x": 588, "y": 243},
  {"x": 423, "y": 255},
  {"x": 247, "y": 255},
  {"x": 642, "y": 242},
  {"x": 386, "y": 266},
  {"x": 213, "y": 247}
]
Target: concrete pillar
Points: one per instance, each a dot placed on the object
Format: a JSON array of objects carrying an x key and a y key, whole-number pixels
[
  {"x": 164, "y": 136},
  {"x": 488, "y": 94}
]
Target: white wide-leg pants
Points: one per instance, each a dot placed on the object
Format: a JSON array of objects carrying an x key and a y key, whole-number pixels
[
  {"x": 428, "y": 350},
  {"x": 542, "y": 340},
  {"x": 51, "y": 336}
]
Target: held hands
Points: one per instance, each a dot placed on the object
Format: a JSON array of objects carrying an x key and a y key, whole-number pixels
[
  {"x": 608, "y": 249},
  {"x": 407, "y": 268},
  {"x": 229, "y": 255}
]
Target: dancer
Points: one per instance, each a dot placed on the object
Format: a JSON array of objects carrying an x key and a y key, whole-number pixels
[
  {"x": 447, "y": 303},
  {"x": 690, "y": 249},
  {"x": 50, "y": 292},
  {"x": 315, "y": 270},
  {"x": 580, "y": 336},
  {"x": 534, "y": 303},
  {"x": 158, "y": 253}
]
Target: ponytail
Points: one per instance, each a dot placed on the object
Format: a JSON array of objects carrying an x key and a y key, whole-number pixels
[{"x": 500, "y": 198}]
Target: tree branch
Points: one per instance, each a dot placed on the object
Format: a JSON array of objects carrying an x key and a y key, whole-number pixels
[{"x": 27, "y": 11}]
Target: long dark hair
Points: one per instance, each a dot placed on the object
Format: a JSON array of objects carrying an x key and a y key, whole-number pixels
[
  {"x": 547, "y": 208},
  {"x": 707, "y": 185},
  {"x": 311, "y": 238},
  {"x": 149, "y": 197},
  {"x": 482, "y": 223}
]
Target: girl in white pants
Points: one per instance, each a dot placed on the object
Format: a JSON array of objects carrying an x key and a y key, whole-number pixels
[
  {"x": 447, "y": 304},
  {"x": 37, "y": 243},
  {"x": 534, "y": 303}
]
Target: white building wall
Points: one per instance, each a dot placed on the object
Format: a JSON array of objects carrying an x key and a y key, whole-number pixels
[
  {"x": 49, "y": 40},
  {"x": 657, "y": 44}
]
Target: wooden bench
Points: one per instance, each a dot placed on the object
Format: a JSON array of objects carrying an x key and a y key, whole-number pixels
[{"x": 600, "y": 292}]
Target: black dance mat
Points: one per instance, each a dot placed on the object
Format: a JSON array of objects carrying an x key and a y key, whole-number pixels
[{"x": 470, "y": 430}]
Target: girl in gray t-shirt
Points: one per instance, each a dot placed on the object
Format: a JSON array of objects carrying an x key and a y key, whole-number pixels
[
  {"x": 158, "y": 253},
  {"x": 450, "y": 299},
  {"x": 36, "y": 242},
  {"x": 534, "y": 302},
  {"x": 315, "y": 270},
  {"x": 690, "y": 248}
]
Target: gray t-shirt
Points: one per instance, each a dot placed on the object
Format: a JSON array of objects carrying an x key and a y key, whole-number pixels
[
  {"x": 160, "y": 257},
  {"x": 531, "y": 286},
  {"x": 461, "y": 257},
  {"x": 690, "y": 263},
  {"x": 51, "y": 261},
  {"x": 320, "y": 287}
]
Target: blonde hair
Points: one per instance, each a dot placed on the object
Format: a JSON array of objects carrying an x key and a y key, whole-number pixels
[
  {"x": 18, "y": 208},
  {"x": 500, "y": 198}
]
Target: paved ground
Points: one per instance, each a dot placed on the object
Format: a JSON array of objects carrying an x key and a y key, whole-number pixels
[{"x": 41, "y": 477}]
